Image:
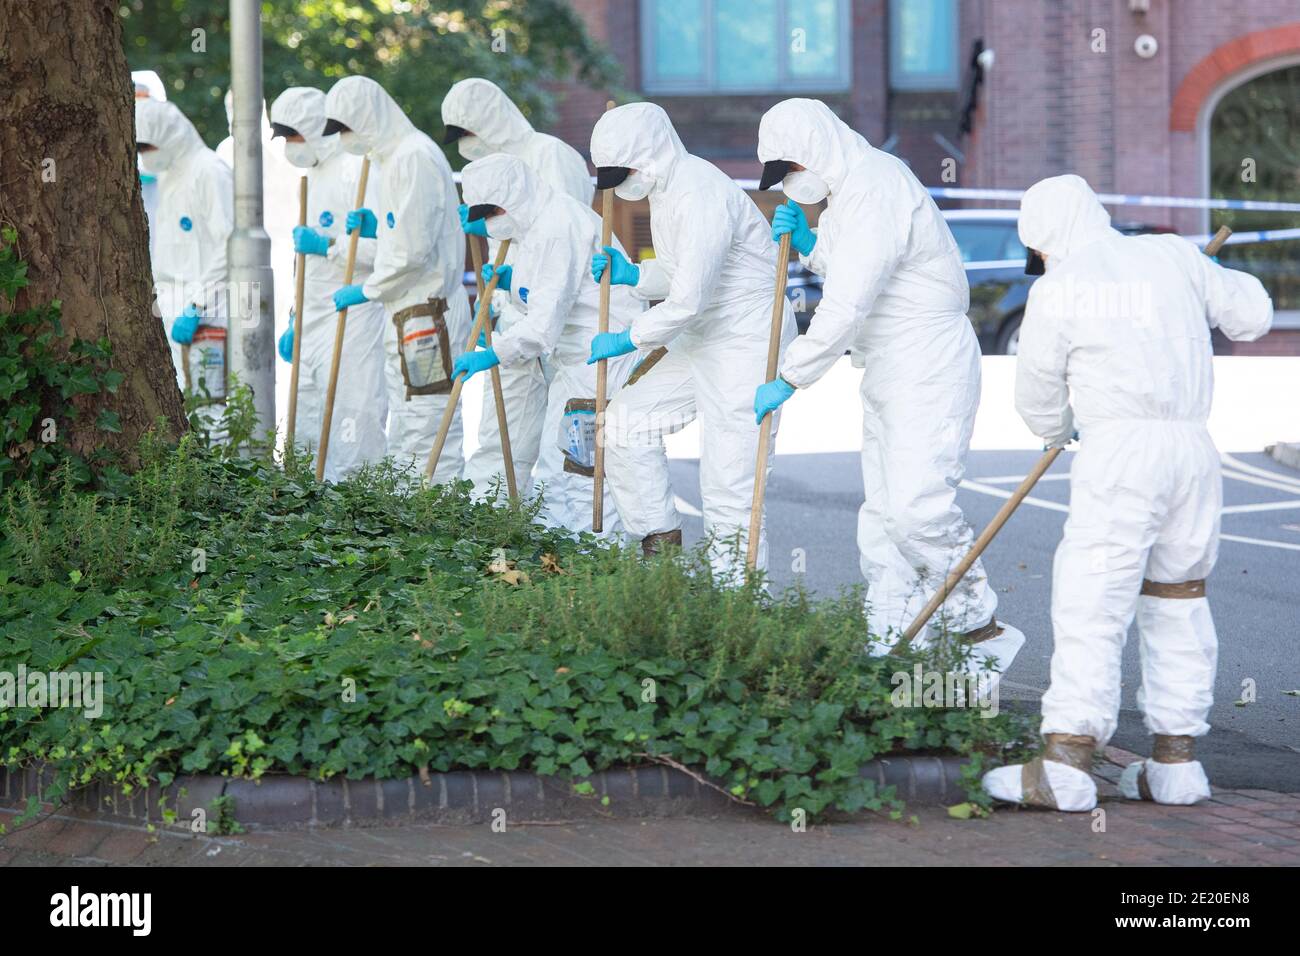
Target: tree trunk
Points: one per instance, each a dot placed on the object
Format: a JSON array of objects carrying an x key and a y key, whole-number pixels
[{"x": 68, "y": 184}]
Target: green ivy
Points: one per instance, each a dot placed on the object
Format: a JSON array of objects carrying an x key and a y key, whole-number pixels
[
  {"x": 251, "y": 621},
  {"x": 40, "y": 377}
]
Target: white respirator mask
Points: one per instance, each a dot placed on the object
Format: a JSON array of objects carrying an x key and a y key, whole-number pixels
[
  {"x": 502, "y": 226},
  {"x": 300, "y": 154},
  {"x": 352, "y": 143},
  {"x": 805, "y": 187},
  {"x": 472, "y": 148},
  {"x": 155, "y": 161},
  {"x": 635, "y": 187}
]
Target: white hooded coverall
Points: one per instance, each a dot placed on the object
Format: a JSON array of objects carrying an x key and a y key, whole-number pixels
[
  {"x": 149, "y": 85},
  {"x": 361, "y": 399},
  {"x": 497, "y": 125},
  {"x": 420, "y": 255},
  {"x": 714, "y": 269},
  {"x": 1115, "y": 344},
  {"x": 556, "y": 308},
  {"x": 192, "y": 221},
  {"x": 895, "y": 291}
]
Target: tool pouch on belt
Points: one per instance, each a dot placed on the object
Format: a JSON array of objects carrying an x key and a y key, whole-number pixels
[
  {"x": 577, "y": 437},
  {"x": 424, "y": 349}
]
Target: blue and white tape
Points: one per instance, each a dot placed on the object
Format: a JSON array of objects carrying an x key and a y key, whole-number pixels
[{"x": 1125, "y": 199}]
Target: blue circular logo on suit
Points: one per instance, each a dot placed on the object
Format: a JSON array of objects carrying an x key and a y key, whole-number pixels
[
  {"x": 186, "y": 224},
  {"x": 326, "y": 219},
  {"x": 391, "y": 220}
]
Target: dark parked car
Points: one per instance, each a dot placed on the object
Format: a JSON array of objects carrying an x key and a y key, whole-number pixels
[{"x": 995, "y": 268}]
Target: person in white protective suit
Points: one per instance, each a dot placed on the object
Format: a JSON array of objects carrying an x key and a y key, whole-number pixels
[
  {"x": 1115, "y": 344},
  {"x": 418, "y": 264},
  {"x": 148, "y": 85},
  {"x": 361, "y": 400},
  {"x": 715, "y": 271},
  {"x": 553, "y": 237},
  {"x": 895, "y": 293},
  {"x": 482, "y": 120},
  {"x": 279, "y": 202},
  {"x": 191, "y": 224}
]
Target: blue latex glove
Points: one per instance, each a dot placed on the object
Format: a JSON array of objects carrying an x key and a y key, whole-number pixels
[
  {"x": 790, "y": 218},
  {"x": 476, "y": 228},
  {"x": 624, "y": 273},
  {"x": 504, "y": 282},
  {"x": 348, "y": 295},
  {"x": 607, "y": 345},
  {"x": 186, "y": 324},
  {"x": 470, "y": 364},
  {"x": 769, "y": 397},
  {"x": 309, "y": 242},
  {"x": 366, "y": 220},
  {"x": 286, "y": 344}
]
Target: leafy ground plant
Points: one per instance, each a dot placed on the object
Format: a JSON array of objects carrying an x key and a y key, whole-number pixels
[{"x": 247, "y": 621}]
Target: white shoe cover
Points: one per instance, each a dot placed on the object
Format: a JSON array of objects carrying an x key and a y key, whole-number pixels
[
  {"x": 1178, "y": 784},
  {"x": 1074, "y": 789}
]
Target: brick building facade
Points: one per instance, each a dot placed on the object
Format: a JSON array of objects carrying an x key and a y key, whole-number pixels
[{"x": 1066, "y": 92}]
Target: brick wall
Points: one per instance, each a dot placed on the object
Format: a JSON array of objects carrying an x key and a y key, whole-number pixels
[{"x": 1053, "y": 105}]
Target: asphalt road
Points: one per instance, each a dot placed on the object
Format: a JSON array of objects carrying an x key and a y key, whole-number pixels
[{"x": 1254, "y": 590}]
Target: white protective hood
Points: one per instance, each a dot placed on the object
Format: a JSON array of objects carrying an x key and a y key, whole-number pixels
[
  {"x": 480, "y": 106},
  {"x": 365, "y": 107},
  {"x": 1061, "y": 215},
  {"x": 807, "y": 132},
  {"x": 302, "y": 108},
  {"x": 639, "y": 136},
  {"x": 506, "y": 181},
  {"x": 150, "y": 82},
  {"x": 163, "y": 125}
]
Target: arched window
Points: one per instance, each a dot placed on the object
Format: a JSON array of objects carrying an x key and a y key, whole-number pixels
[{"x": 1254, "y": 153}]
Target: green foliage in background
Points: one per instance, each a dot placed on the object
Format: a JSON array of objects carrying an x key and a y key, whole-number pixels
[
  {"x": 415, "y": 48},
  {"x": 249, "y": 621}
]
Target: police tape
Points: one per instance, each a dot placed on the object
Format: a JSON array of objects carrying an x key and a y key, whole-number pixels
[
  {"x": 1122, "y": 199},
  {"x": 1118, "y": 199}
]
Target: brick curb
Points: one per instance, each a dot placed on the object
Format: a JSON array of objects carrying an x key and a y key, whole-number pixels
[{"x": 457, "y": 798}]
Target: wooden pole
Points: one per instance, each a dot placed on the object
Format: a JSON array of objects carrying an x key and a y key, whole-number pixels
[
  {"x": 339, "y": 329},
  {"x": 1008, "y": 509},
  {"x": 300, "y": 265},
  {"x": 507, "y": 458},
  {"x": 479, "y": 322},
  {"x": 602, "y": 366},
  {"x": 765, "y": 430}
]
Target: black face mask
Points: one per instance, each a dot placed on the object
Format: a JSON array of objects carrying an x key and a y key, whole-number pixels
[
  {"x": 454, "y": 133},
  {"x": 607, "y": 177},
  {"x": 1035, "y": 264},
  {"x": 774, "y": 171}
]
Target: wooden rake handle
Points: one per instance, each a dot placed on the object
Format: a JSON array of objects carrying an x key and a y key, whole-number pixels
[
  {"x": 765, "y": 430},
  {"x": 507, "y": 457},
  {"x": 300, "y": 287},
  {"x": 340, "y": 327},
  {"x": 602, "y": 366},
  {"x": 479, "y": 323}
]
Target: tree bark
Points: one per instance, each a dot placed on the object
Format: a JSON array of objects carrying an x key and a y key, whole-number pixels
[{"x": 69, "y": 185}]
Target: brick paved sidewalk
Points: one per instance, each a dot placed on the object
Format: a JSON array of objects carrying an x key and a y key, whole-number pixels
[{"x": 1237, "y": 827}]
